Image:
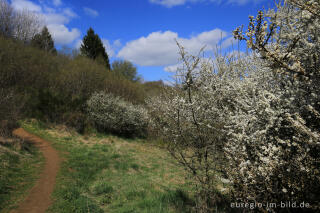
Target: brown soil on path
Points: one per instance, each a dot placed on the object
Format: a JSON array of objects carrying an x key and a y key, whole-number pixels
[{"x": 39, "y": 198}]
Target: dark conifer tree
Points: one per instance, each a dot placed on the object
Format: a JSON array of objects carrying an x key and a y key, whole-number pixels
[
  {"x": 44, "y": 41},
  {"x": 93, "y": 48}
]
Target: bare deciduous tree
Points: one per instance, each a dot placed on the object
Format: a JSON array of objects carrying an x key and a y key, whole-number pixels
[
  {"x": 19, "y": 24},
  {"x": 7, "y": 17},
  {"x": 26, "y": 25}
]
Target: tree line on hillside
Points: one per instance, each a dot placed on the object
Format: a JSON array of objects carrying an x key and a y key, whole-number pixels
[
  {"x": 24, "y": 26},
  {"x": 38, "y": 81}
]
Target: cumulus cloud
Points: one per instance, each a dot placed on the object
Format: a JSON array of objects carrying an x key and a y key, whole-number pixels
[
  {"x": 56, "y": 23},
  {"x": 160, "y": 48},
  {"x": 172, "y": 3},
  {"x": 55, "y": 18},
  {"x": 117, "y": 44},
  {"x": 69, "y": 12},
  {"x": 108, "y": 47},
  {"x": 23, "y": 4},
  {"x": 229, "y": 42},
  {"x": 111, "y": 48},
  {"x": 64, "y": 17},
  {"x": 154, "y": 50},
  {"x": 48, "y": 9},
  {"x": 91, "y": 12},
  {"x": 62, "y": 35}
]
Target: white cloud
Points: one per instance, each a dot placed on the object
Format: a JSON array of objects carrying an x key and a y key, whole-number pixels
[
  {"x": 117, "y": 44},
  {"x": 78, "y": 44},
  {"x": 169, "y": 3},
  {"x": 172, "y": 68},
  {"x": 56, "y": 2},
  {"x": 24, "y": 4},
  {"x": 56, "y": 23},
  {"x": 91, "y": 12},
  {"x": 160, "y": 48},
  {"x": 243, "y": 2},
  {"x": 229, "y": 42},
  {"x": 55, "y": 18},
  {"x": 172, "y": 3},
  {"x": 49, "y": 9},
  {"x": 62, "y": 35},
  {"x": 69, "y": 12},
  {"x": 108, "y": 47},
  {"x": 154, "y": 50}
]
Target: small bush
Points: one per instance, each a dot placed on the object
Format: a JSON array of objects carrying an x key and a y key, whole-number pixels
[{"x": 113, "y": 114}]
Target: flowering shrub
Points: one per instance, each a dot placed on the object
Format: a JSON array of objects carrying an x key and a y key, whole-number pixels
[
  {"x": 112, "y": 114},
  {"x": 256, "y": 119},
  {"x": 282, "y": 162},
  {"x": 193, "y": 115}
]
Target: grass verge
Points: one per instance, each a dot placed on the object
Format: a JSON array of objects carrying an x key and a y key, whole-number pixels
[
  {"x": 20, "y": 166},
  {"x": 104, "y": 173}
]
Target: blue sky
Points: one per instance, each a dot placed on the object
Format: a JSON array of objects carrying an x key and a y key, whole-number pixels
[{"x": 143, "y": 31}]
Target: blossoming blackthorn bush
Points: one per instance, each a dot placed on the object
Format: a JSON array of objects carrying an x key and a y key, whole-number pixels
[
  {"x": 198, "y": 115},
  {"x": 254, "y": 119},
  {"x": 112, "y": 114},
  {"x": 283, "y": 164}
]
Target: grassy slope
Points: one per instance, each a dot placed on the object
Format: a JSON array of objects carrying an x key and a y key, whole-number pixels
[
  {"x": 19, "y": 169},
  {"x": 109, "y": 174}
]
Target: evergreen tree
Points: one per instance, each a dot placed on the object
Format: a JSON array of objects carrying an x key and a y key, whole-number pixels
[
  {"x": 93, "y": 48},
  {"x": 44, "y": 41}
]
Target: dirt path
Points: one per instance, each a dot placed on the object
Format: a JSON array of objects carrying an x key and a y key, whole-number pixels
[{"x": 39, "y": 198}]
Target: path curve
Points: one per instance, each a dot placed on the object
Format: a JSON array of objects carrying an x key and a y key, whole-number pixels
[{"x": 39, "y": 198}]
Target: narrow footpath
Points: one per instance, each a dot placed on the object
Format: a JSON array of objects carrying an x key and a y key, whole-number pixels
[{"x": 39, "y": 197}]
